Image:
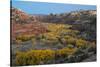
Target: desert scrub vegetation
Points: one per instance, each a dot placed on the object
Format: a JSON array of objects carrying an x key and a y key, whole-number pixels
[
  {"x": 71, "y": 40},
  {"x": 81, "y": 43},
  {"x": 35, "y": 57},
  {"x": 68, "y": 46},
  {"x": 55, "y": 33},
  {"x": 24, "y": 38},
  {"x": 61, "y": 38},
  {"x": 47, "y": 56},
  {"x": 61, "y": 29},
  {"x": 59, "y": 33},
  {"x": 55, "y": 27},
  {"x": 65, "y": 52},
  {"x": 42, "y": 56}
]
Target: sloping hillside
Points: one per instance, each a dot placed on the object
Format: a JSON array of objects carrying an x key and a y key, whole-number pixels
[
  {"x": 24, "y": 24},
  {"x": 83, "y": 20},
  {"x": 48, "y": 39},
  {"x": 73, "y": 17}
]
